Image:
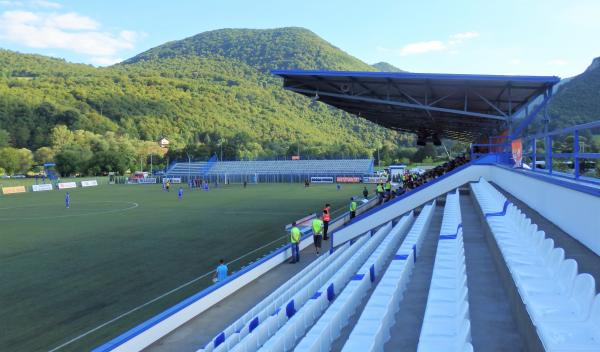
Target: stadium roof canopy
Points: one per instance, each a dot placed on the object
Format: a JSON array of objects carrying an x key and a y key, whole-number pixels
[{"x": 456, "y": 106}]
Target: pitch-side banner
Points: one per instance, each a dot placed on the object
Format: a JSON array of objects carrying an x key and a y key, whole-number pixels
[
  {"x": 517, "y": 152},
  {"x": 172, "y": 179},
  {"x": 13, "y": 190},
  {"x": 65, "y": 185},
  {"x": 90, "y": 183},
  {"x": 42, "y": 187},
  {"x": 374, "y": 179},
  {"x": 324, "y": 179},
  {"x": 147, "y": 180},
  {"x": 348, "y": 179}
]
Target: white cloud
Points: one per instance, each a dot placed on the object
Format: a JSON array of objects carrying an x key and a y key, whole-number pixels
[
  {"x": 432, "y": 45},
  {"x": 46, "y": 4},
  {"x": 421, "y": 47},
  {"x": 105, "y": 61},
  {"x": 557, "y": 62},
  {"x": 68, "y": 31}
]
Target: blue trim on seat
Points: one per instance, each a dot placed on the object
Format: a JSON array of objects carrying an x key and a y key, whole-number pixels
[
  {"x": 316, "y": 295},
  {"x": 289, "y": 309},
  {"x": 330, "y": 293},
  {"x": 276, "y": 311},
  {"x": 253, "y": 324},
  {"x": 372, "y": 273},
  {"x": 414, "y": 248},
  {"x": 358, "y": 277},
  {"x": 499, "y": 213},
  {"x": 400, "y": 257},
  {"x": 452, "y": 236},
  {"x": 219, "y": 339}
]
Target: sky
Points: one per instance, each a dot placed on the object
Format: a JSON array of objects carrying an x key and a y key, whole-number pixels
[{"x": 520, "y": 37}]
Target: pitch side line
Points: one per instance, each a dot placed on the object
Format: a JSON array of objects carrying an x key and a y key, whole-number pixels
[{"x": 155, "y": 299}]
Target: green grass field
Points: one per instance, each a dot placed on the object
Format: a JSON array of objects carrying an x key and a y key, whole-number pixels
[{"x": 66, "y": 271}]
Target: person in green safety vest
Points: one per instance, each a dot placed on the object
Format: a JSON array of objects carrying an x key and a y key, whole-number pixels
[
  {"x": 317, "y": 228},
  {"x": 388, "y": 190},
  {"x": 295, "y": 243},
  {"x": 353, "y": 207},
  {"x": 379, "y": 192}
]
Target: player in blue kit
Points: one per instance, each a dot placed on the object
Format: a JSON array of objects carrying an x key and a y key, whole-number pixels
[
  {"x": 67, "y": 200},
  {"x": 180, "y": 193}
]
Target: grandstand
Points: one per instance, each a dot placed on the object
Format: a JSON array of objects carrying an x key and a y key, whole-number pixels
[
  {"x": 271, "y": 170},
  {"x": 488, "y": 256}
]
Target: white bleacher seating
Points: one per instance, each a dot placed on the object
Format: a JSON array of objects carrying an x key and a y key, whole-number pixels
[
  {"x": 328, "y": 327},
  {"x": 372, "y": 329},
  {"x": 563, "y": 305},
  {"x": 287, "y": 336},
  {"x": 276, "y": 167},
  {"x": 446, "y": 324},
  {"x": 299, "y": 283}
]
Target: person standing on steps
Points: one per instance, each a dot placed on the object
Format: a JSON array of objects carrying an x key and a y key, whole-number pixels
[
  {"x": 365, "y": 193},
  {"x": 326, "y": 219},
  {"x": 295, "y": 241},
  {"x": 353, "y": 207},
  {"x": 317, "y": 228}
]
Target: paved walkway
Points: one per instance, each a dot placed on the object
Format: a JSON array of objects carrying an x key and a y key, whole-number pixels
[{"x": 492, "y": 325}]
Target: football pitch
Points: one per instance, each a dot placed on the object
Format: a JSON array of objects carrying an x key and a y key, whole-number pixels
[{"x": 64, "y": 271}]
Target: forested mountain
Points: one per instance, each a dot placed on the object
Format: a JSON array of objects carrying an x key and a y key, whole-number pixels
[
  {"x": 578, "y": 100},
  {"x": 386, "y": 67},
  {"x": 203, "y": 93},
  {"x": 281, "y": 48}
]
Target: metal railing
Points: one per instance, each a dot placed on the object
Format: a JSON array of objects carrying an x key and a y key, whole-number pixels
[{"x": 546, "y": 162}]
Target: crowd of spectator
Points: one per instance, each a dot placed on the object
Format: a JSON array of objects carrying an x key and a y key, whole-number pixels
[{"x": 414, "y": 180}]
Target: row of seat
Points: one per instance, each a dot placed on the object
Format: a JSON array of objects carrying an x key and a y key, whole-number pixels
[
  {"x": 276, "y": 298},
  {"x": 281, "y": 316},
  {"x": 562, "y": 305},
  {"x": 358, "y": 166},
  {"x": 372, "y": 329},
  {"x": 288, "y": 335},
  {"x": 446, "y": 323},
  {"x": 336, "y": 317},
  {"x": 298, "y": 288}
]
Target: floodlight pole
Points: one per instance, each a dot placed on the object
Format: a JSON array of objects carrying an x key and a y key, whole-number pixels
[{"x": 189, "y": 166}]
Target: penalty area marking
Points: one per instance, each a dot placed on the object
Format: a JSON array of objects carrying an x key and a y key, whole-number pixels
[
  {"x": 133, "y": 310},
  {"x": 132, "y": 205}
]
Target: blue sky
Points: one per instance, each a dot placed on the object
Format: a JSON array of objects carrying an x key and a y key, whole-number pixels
[{"x": 538, "y": 37}]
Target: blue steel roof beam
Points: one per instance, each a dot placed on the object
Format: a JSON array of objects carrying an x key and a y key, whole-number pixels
[
  {"x": 405, "y": 105},
  {"x": 354, "y": 81},
  {"x": 497, "y": 100},
  {"x": 439, "y": 100},
  {"x": 414, "y": 100},
  {"x": 490, "y": 104},
  {"x": 321, "y": 80}
]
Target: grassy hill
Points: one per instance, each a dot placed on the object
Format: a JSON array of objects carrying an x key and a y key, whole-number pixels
[
  {"x": 386, "y": 67},
  {"x": 578, "y": 100},
  {"x": 203, "y": 92},
  {"x": 265, "y": 49}
]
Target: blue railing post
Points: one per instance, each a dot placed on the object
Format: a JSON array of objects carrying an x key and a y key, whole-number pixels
[
  {"x": 549, "y": 154},
  {"x": 576, "y": 152},
  {"x": 533, "y": 155}
]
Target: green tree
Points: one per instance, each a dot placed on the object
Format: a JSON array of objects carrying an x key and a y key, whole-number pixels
[
  {"x": 43, "y": 155},
  {"x": 9, "y": 160},
  {"x": 4, "y": 138}
]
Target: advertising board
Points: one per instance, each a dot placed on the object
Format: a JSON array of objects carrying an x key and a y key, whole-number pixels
[
  {"x": 65, "y": 185},
  {"x": 13, "y": 190},
  {"x": 89, "y": 183},
  {"x": 325, "y": 179},
  {"x": 42, "y": 187},
  {"x": 348, "y": 179}
]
